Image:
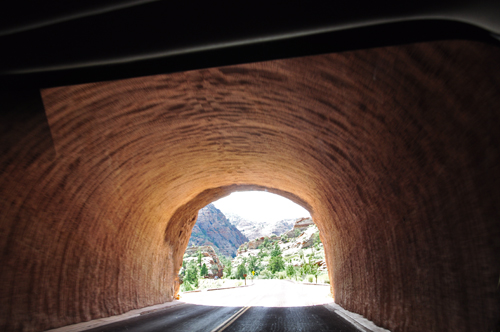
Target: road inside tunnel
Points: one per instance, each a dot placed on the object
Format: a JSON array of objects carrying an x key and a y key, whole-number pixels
[{"x": 264, "y": 305}]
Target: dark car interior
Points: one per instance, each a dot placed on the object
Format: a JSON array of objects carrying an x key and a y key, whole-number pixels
[{"x": 120, "y": 119}]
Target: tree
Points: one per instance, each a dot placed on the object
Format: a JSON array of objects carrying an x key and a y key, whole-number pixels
[
  {"x": 276, "y": 251},
  {"x": 297, "y": 272},
  {"x": 215, "y": 269},
  {"x": 227, "y": 270},
  {"x": 199, "y": 258},
  {"x": 240, "y": 271},
  {"x": 266, "y": 242},
  {"x": 182, "y": 272},
  {"x": 204, "y": 270},
  {"x": 191, "y": 275},
  {"x": 253, "y": 265},
  {"x": 226, "y": 266},
  {"x": 290, "y": 271},
  {"x": 263, "y": 253},
  {"x": 315, "y": 271},
  {"x": 276, "y": 263}
]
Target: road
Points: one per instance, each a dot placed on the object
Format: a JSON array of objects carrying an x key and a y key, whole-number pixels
[{"x": 268, "y": 305}]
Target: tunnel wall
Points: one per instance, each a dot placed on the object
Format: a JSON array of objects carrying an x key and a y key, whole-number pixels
[{"x": 395, "y": 152}]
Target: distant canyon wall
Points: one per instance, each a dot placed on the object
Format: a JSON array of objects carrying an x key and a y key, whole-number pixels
[{"x": 255, "y": 229}]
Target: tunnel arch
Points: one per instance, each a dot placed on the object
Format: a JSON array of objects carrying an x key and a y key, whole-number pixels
[
  {"x": 178, "y": 230},
  {"x": 394, "y": 150}
]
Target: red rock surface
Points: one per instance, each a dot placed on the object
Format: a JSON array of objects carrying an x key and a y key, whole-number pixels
[{"x": 394, "y": 151}]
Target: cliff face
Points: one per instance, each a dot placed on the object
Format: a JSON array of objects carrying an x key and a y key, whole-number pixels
[
  {"x": 213, "y": 229},
  {"x": 257, "y": 229},
  {"x": 210, "y": 259}
]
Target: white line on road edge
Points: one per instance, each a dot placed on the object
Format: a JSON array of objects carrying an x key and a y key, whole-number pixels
[
  {"x": 230, "y": 320},
  {"x": 361, "y": 323}
]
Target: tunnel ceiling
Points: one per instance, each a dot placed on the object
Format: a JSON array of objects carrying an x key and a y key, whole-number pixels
[{"x": 393, "y": 150}]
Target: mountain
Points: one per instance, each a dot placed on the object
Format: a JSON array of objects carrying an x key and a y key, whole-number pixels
[
  {"x": 213, "y": 229},
  {"x": 257, "y": 229}
]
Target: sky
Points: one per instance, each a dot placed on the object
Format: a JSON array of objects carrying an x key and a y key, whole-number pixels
[{"x": 260, "y": 206}]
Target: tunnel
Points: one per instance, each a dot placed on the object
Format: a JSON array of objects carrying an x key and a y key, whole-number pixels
[{"x": 393, "y": 150}]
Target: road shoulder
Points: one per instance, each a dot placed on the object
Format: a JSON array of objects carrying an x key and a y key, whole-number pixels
[
  {"x": 113, "y": 319},
  {"x": 361, "y": 323}
]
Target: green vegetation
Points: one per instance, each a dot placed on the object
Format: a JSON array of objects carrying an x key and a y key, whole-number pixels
[
  {"x": 200, "y": 256},
  {"x": 190, "y": 281},
  {"x": 297, "y": 258},
  {"x": 276, "y": 263},
  {"x": 240, "y": 271},
  {"x": 253, "y": 264},
  {"x": 215, "y": 269},
  {"x": 204, "y": 270},
  {"x": 268, "y": 261}
]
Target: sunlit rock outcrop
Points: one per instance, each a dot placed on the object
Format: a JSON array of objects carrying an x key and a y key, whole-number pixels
[
  {"x": 209, "y": 258},
  {"x": 213, "y": 229},
  {"x": 394, "y": 151},
  {"x": 253, "y": 229},
  {"x": 299, "y": 226}
]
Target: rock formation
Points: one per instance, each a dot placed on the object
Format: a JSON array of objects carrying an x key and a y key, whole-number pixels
[
  {"x": 257, "y": 229},
  {"x": 213, "y": 229},
  {"x": 291, "y": 247},
  {"x": 210, "y": 258},
  {"x": 299, "y": 226},
  {"x": 393, "y": 150}
]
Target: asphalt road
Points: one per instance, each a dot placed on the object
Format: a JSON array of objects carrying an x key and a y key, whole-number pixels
[{"x": 268, "y": 305}]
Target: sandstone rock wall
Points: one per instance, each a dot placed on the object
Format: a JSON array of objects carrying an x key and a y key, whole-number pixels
[
  {"x": 394, "y": 151},
  {"x": 300, "y": 225},
  {"x": 254, "y": 244}
]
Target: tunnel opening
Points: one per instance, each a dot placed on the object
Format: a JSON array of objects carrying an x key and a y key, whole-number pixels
[
  {"x": 252, "y": 235},
  {"x": 188, "y": 215}
]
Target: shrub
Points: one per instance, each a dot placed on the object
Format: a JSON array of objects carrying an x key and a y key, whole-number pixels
[
  {"x": 290, "y": 271},
  {"x": 310, "y": 278},
  {"x": 281, "y": 275},
  {"x": 191, "y": 275},
  {"x": 240, "y": 271},
  {"x": 204, "y": 270},
  {"x": 266, "y": 274},
  {"x": 187, "y": 286}
]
